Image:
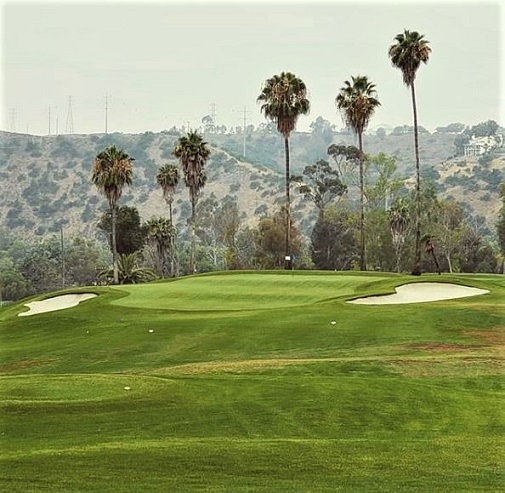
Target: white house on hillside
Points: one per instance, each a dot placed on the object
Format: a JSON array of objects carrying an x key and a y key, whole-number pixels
[{"x": 480, "y": 145}]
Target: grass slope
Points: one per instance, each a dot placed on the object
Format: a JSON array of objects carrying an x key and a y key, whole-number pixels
[{"x": 244, "y": 384}]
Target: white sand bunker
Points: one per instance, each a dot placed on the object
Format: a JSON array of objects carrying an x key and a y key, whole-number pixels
[
  {"x": 56, "y": 303},
  {"x": 421, "y": 292}
]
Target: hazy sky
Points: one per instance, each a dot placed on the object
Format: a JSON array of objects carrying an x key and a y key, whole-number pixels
[{"x": 166, "y": 63}]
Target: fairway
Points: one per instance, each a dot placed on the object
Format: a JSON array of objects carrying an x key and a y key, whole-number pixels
[{"x": 256, "y": 382}]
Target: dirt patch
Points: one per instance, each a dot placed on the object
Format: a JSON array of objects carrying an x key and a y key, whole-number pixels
[
  {"x": 494, "y": 338},
  {"x": 239, "y": 366},
  {"x": 25, "y": 364},
  {"x": 443, "y": 346}
]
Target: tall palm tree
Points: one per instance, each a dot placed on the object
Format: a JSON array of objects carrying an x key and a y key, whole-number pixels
[
  {"x": 409, "y": 50},
  {"x": 357, "y": 102},
  {"x": 283, "y": 99},
  {"x": 168, "y": 179},
  {"x": 112, "y": 170},
  {"x": 193, "y": 153}
]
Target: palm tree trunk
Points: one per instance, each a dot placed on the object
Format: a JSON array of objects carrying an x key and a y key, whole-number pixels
[
  {"x": 193, "y": 239},
  {"x": 172, "y": 242},
  {"x": 287, "y": 251},
  {"x": 448, "y": 257},
  {"x": 114, "y": 243},
  {"x": 362, "y": 204},
  {"x": 398, "y": 253},
  {"x": 416, "y": 269}
]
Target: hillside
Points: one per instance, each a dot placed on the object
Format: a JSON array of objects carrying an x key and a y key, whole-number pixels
[{"x": 45, "y": 180}]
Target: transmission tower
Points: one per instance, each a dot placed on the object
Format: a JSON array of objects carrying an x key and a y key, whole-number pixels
[
  {"x": 213, "y": 113},
  {"x": 69, "y": 127}
]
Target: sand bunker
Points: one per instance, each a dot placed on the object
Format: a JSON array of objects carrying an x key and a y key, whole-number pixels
[
  {"x": 421, "y": 292},
  {"x": 56, "y": 303}
]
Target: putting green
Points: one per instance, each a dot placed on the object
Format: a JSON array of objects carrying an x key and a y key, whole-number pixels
[{"x": 241, "y": 291}]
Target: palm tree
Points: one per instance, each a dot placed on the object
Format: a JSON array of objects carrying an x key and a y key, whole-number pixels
[
  {"x": 398, "y": 217},
  {"x": 193, "y": 153},
  {"x": 128, "y": 270},
  {"x": 159, "y": 235},
  {"x": 284, "y": 99},
  {"x": 168, "y": 179},
  {"x": 357, "y": 103},
  {"x": 407, "y": 54},
  {"x": 112, "y": 170}
]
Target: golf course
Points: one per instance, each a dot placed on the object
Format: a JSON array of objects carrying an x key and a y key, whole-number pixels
[{"x": 264, "y": 381}]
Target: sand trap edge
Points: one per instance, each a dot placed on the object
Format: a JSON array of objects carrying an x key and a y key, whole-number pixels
[
  {"x": 421, "y": 292},
  {"x": 56, "y": 303}
]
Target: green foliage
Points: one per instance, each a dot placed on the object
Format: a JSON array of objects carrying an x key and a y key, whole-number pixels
[
  {"x": 483, "y": 129},
  {"x": 320, "y": 183},
  {"x": 13, "y": 285},
  {"x": 283, "y": 100},
  {"x": 333, "y": 240},
  {"x": 500, "y": 227},
  {"x": 270, "y": 241},
  {"x": 129, "y": 271},
  {"x": 130, "y": 236},
  {"x": 160, "y": 235}
]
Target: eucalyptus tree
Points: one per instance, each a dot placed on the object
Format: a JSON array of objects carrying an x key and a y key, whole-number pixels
[
  {"x": 321, "y": 184},
  {"x": 283, "y": 100},
  {"x": 168, "y": 179},
  {"x": 357, "y": 102},
  {"x": 193, "y": 153},
  {"x": 112, "y": 170},
  {"x": 407, "y": 53}
]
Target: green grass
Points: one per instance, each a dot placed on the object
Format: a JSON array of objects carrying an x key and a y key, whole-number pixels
[{"x": 246, "y": 385}]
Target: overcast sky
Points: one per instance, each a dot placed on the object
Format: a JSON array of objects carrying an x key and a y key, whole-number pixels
[{"x": 166, "y": 64}]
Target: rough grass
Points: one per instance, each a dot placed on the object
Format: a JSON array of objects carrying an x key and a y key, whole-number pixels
[{"x": 234, "y": 396}]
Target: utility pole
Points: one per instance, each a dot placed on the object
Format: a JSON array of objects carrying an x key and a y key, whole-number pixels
[{"x": 49, "y": 121}]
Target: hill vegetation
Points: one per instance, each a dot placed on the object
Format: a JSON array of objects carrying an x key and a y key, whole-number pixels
[{"x": 45, "y": 180}]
